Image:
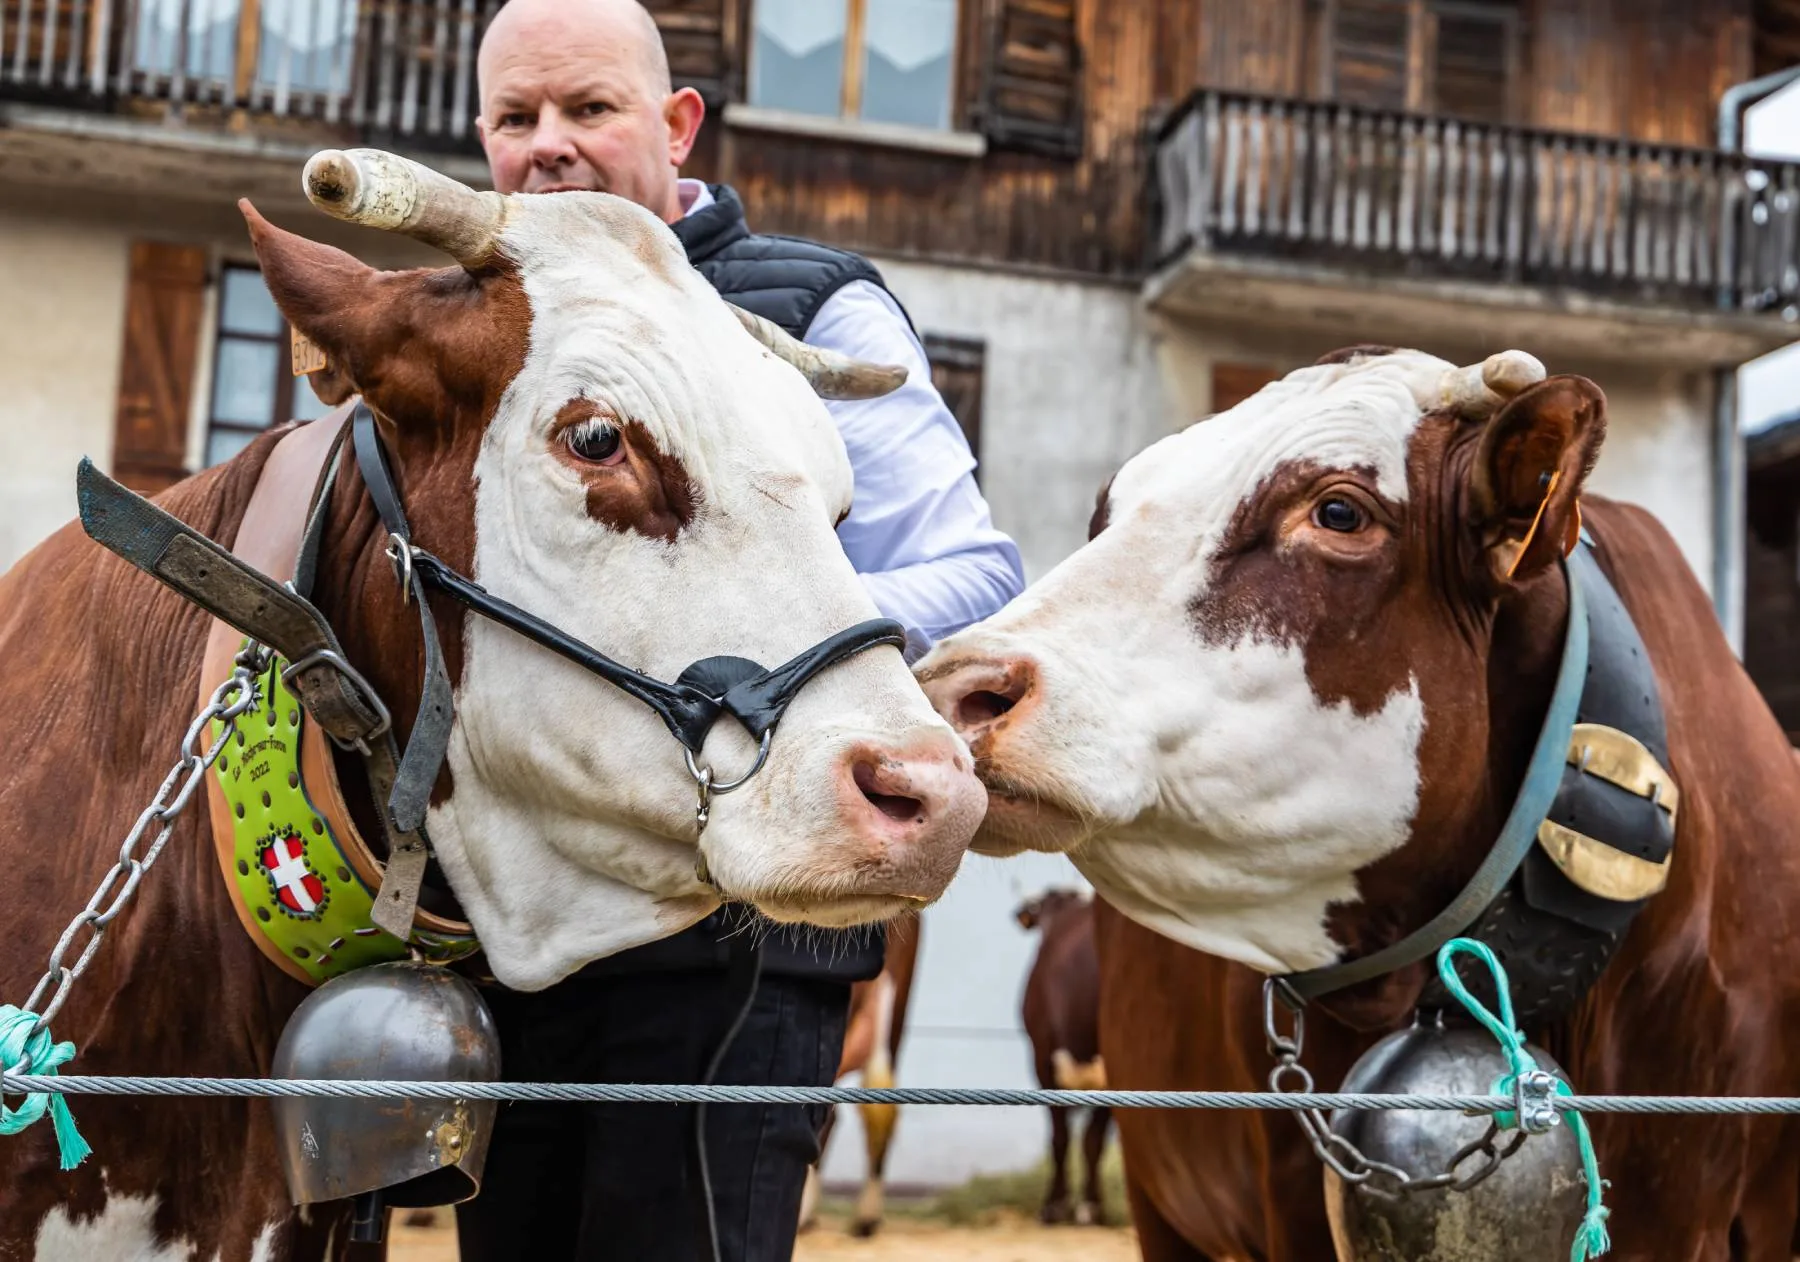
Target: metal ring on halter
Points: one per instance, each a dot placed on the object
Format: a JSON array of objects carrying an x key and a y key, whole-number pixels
[
  {"x": 714, "y": 787},
  {"x": 400, "y": 552}
]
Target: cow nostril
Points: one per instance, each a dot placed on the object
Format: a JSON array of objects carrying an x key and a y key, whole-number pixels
[
  {"x": 896, "y": 806},
  {"x": 982, "y": 707}
]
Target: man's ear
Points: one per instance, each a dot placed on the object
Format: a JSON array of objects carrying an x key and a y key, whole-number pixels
[
  {"x": 1530, "y": 467},
  {"x": 683, "y": 110}
]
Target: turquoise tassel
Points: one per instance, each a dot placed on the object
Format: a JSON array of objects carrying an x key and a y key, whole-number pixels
[
  {"x": 1591, "y": 1239},
  {"x": 15, "y": 1028}
]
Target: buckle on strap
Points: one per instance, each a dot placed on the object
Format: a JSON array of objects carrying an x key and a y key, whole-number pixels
[{"x": 361, "y": 691}]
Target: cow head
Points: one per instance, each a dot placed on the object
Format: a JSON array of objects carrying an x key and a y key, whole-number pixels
[
  {"x": 580, "y": 423},
  {"x": 1269, "y": 670}
]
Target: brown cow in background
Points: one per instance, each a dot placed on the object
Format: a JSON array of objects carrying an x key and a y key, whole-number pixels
[{"x": 1062, "y": 1019}]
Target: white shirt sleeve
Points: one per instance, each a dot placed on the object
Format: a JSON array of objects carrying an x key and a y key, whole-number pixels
[{"x": 919, "y": 531}]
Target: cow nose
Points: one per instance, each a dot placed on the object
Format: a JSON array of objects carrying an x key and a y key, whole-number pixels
[
  {"x": 908, "y": 798},
  {"x": 973, "y": 696}
]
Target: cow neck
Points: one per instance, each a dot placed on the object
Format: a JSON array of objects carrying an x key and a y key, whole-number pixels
[
  {"x": 1530, "y": 804},
  {"x": 331, "y": 784}
]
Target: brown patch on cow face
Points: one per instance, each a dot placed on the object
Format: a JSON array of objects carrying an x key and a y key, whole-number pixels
[
  {"x": 632, "y": 484},
  {"x": 1312, "y": 558},
  {"x": 1348, "y": 354}
]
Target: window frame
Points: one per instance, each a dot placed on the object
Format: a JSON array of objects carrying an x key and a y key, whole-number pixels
[
  {"x": 1421, "y": 52},
  {"x": 850, "y": 83},
  {"x": 281, "y": 408}
]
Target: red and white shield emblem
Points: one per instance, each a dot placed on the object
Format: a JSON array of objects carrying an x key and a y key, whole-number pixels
[{"x": 297, "y": 886}]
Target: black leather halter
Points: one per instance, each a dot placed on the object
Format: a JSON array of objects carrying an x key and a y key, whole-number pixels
[{"x": 703, "y": 693}]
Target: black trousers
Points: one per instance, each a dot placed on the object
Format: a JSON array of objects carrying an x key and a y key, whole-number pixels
[{"x": 599, "y": 1182}]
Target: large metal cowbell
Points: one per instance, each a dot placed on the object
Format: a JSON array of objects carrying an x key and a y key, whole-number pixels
[
  {"x": 1527, "y": 1210},
  {"x": 404, "y": 1020}
]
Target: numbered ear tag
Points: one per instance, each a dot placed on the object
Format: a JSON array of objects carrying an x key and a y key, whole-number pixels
[{"x": 308, "y": 357}]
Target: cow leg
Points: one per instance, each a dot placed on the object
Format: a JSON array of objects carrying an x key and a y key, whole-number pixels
[
  {"x": 1093, "y": 1146},
  {"x": 1056, "y": 1202},
  {"x": 1157, "y": 1240},
  {"x": 878, "y": 1132}
]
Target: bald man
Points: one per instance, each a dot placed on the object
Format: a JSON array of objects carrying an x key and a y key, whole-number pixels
[{"x": 576, "y": 96}]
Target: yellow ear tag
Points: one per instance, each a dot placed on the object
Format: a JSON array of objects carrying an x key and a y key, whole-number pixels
[
  {"x": 1525, "y": 544},
  {"x": 307, "y": 356}
]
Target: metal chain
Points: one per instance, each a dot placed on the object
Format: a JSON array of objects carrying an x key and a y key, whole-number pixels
[
  {"x": 1341, "y": 1156},
  {"x": 237, "y": 695}
]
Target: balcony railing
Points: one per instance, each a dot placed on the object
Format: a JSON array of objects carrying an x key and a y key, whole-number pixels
[
  {"x": 401, "y": 68},
  {"x": 1373, "y": 191}
]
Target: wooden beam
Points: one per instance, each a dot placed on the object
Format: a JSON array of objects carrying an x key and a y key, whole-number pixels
[
  {"x": 249, "y": 44},
  {"x": 855, "y": 28}
]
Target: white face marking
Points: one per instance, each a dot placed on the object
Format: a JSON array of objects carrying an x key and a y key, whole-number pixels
[
  {"x": 123, "y": 1231},
  {"x": 1217, "y": 799},
  {"x": 569, "y": 834}
]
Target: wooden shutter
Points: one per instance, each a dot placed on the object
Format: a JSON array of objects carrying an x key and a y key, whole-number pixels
[
  {"x": 1233, "y": 383},
  {"x": 1473, "y": 60},
  {"x": 958, "y": 370},
  {"x": 700, "y": 40},
  {"x": 1369, "y": 41},
  {"x": 1031, "y": 96},
  {"x": 163, "y": 309}
]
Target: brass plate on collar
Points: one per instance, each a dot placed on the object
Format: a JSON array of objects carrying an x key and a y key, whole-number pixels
[
  {"x": 1621, "y": 759},
  {"x": 1598, "y": 868}
]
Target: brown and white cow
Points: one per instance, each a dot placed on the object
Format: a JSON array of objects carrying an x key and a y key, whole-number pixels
[
  {"x": 1275, "y": 711},
  {"x": 577, "y": 421},
  {"x": 1061, "y": 1014}
]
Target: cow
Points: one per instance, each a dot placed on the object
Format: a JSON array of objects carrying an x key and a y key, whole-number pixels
[
  {"x": 1276, "y": 710},
  {"x": 1061, "y": 1013},
  {"x": 581, "y": 425},
  {"x": 873, "y": 1031}
]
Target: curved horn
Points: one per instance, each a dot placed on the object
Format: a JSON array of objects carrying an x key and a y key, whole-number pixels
[
  {"x": 831, "y": 375},
  {"x": 384, "y": 190},
  {"x": 1479, "y": 390}
]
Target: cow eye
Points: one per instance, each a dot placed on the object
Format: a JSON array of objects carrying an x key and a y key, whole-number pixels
[
  {"x": 1340, "y": 514},
  {"x": 595, "y": 441}
]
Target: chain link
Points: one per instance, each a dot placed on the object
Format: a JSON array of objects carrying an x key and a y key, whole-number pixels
[
  {"x": 237, "y": 695},
  {"x": 1342, "y": 1157}
]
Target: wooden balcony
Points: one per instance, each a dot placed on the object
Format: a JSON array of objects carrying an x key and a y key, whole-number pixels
[
  {"x": 1390, "y": 205},
  {"x": 392, "y": 70}
]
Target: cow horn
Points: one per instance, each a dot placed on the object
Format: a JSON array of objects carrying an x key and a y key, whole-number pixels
[
  {"x": 384, "y": 190},
  {"x": 1478, "y": 390},
  {"x": 831, "y": 375}
]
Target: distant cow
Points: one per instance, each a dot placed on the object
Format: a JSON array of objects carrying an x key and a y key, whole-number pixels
[
  {"x": 1062, "y": 1016},
  {"x": 1277, "y": 710},
  {"x": 872, "y": 1039}
]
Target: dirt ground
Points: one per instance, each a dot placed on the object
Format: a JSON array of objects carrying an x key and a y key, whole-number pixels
[{"x": 900, "y": 1240}]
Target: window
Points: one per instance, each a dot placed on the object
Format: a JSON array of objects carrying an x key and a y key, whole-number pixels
[
  {"x": 1453, "y": 57},
  {"x": 957, "y": 369},
  {"x": 883, "y": 61},
  {"x": 305, "y": 45},
  {"x": 253, "y": 386}
]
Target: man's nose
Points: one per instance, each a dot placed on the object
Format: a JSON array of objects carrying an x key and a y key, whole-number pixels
[{"x": 551, "y": 143}]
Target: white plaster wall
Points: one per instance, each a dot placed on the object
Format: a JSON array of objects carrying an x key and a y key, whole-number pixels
[
  {"x": 62, "y": 318},
  {"x": 1072, "y": 389}
]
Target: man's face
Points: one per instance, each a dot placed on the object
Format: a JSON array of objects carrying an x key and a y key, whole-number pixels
[{"x": 572, "y": 105}]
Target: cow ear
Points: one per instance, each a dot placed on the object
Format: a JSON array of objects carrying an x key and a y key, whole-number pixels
[
  {"x": 359, "y": 316},
  {"x": 1530, "y": 467}
]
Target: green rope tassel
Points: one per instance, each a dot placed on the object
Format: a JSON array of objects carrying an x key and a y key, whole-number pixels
[
  {"x": 16, "y": 1038},
  {"x": 1591, "y": 1239}
]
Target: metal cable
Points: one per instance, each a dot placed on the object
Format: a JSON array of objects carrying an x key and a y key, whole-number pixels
[{"x": 95, "y": 1084}]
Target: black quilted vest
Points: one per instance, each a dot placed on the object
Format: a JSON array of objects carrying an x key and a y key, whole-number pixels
[
  {"x": 787, "y": 280},
  {"x": 784, "y": 279}
]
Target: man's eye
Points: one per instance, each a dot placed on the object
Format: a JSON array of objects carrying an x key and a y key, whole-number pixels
[
  {"x": 513, "y": 121},
  {"x": 594, "y": 109}
]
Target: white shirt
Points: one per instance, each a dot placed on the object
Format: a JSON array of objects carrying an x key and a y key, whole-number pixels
[{"x": 919, "y": 532}]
